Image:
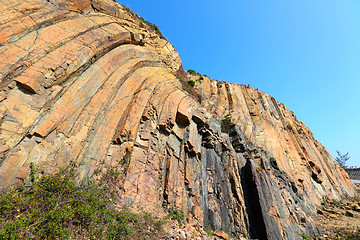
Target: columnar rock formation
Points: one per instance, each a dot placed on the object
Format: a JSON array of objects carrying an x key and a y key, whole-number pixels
[{"x": 89, "y": 81}]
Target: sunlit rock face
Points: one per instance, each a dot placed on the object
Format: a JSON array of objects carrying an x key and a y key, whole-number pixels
[{"x": 89, "y": 81}]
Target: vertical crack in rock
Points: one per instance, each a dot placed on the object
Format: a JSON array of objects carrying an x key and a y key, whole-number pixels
[{"x": 257, "y": 228}]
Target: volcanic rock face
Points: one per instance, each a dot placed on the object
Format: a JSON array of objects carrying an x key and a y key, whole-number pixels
[{"x": 89, "y": 81}]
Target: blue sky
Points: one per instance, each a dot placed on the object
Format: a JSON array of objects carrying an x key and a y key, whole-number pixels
[{"x": 304, "y": 53}]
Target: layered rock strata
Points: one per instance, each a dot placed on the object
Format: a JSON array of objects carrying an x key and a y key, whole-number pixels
[{"x": 91, "y": 82}]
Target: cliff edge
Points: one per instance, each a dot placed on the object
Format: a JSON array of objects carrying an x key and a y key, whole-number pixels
[{"x": 90, "y": 81}]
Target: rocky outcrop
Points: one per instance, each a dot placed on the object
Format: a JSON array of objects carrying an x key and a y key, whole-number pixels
[{"x": 90, "y": 81}]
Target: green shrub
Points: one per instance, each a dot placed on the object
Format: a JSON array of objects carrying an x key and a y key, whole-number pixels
[
  {"x": 191, "y": 83},
  {"x": 54, "y": 207},
  {"x": 190, "y": 71},
  {"x": 177, "y": 215},
  {"x": 226, "y": 124}
]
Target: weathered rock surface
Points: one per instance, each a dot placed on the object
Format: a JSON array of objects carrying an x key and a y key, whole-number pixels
[{"x": 89, "y": 81}]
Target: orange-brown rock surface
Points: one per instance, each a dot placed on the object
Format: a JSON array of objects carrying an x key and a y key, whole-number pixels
[{"x": 89, "y": 81}]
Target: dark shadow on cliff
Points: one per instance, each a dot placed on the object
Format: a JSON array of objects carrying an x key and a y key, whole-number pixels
[{"x": 257, "y": 228}]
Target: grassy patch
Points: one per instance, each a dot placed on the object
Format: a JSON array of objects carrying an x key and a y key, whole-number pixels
[
  {"x": 175, "y": 213},
  {"x": 209, "y": 231},
  {"x": 347, "y": 234}
]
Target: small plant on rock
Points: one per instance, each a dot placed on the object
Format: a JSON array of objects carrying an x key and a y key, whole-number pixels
[
  {"x": 174, "y": 213},
  {"x": 226, "y": 124},
  {"x": 177, "y": 215},
  {"x": 304, "y": 236},
  {"x": 191, "y": 83},
  {"x": 125, "y": 162},
  {"x": 32, "y": 172},
  {"x": 188, "y": 86},
  {"x": 209, "y": 231}
]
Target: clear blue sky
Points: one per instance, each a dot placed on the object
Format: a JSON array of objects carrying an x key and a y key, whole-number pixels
[{"x": 304, "y": 53}]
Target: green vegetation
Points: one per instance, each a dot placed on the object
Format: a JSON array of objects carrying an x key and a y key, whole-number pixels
[
  {"x": 187, "y": 89},
  {"x": 337, "y": 203},
  {"x": 337, "y": 233},
  {"x": 331, "y": 203},
  {"x": 125, "y": 162},
  {"x": 188, "y": 86},
  {"x": 304, "y": 236},
  {"x": 209, "y": 231},
  {"x": 226, "y": 124},
  {"x": 153, "y": 27},
  {"x": 156, "y": 29},
  {"x": 143, "y": 21},
  {"x": 323, "y": 202},
  {"x": 193, "y": 72},
  {"x": 175, "y": 214},
  {"x": 32, "y": 172},
  {"x": 190, "y": 71},
  {"x": 191, "y": 83},
  {"x": 54, "y": 207},
  {"x": 348, "y": 234}
]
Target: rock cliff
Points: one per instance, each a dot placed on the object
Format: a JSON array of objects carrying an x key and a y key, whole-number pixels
[{"x": 90, "y": 81}]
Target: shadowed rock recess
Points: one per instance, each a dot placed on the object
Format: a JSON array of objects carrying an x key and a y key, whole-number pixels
[{"x": 90, "y": 81}]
